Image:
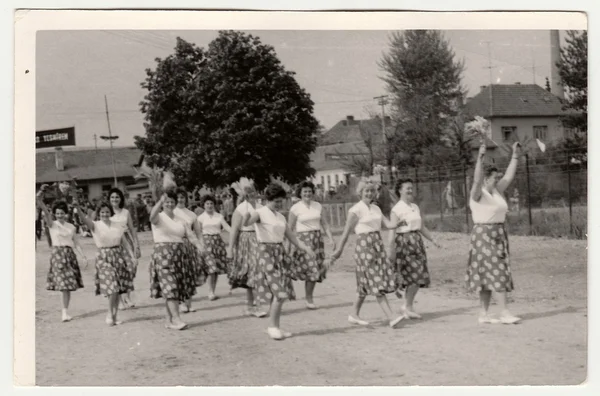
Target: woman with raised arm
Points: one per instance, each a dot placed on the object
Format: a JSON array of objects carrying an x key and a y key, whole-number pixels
[
  {"x": 64, "y": 274},
  {"x": 171, "y": 272},
  {"x": 189, "y": 218},
  {"x": 242, "y": 249},
  {"x": 374, "y": 273},
  {"x": 114, "y": 267},
  {"x": 131, "y": 244},
  {"x": 272, "y": 280},
  {"x": 489, "y": 260},
  {"x": 307, "y": 221},
  {"x": 407, "y": 250}
]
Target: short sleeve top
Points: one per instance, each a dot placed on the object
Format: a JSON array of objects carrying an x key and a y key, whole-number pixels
[
  {"x": 491, "y": 208},
  {"x": 408, "y": 213},
  {"x": 242, "y": 209},
  {"x": 107, "y": 236},
  {"x": 62, "y": 234},
  {"x": 168, "y": 230},
  {"x": 211, "y": 224},
  {"x": 308, "y": 218},
  {"x": 271, "y": 227},
  {"x": 185, "y": 215},
  {"x": 369, "y": 218},
  {"x": 121, "y": 219}
]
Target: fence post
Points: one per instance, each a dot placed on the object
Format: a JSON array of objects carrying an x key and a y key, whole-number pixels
[
  {"x": 466, "y": 196},
  {"x": 528, "y": 193},
  {"x": 441, "y": 194},
  {"x": 569, "y": 194}
]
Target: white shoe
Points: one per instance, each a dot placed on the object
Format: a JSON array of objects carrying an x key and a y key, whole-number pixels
[
  {"x": 275, "y": 333},
  {"x": 286, "y": 334},
  {"x": 394, "y": 322},
  {"x": 354, "y": 320}
]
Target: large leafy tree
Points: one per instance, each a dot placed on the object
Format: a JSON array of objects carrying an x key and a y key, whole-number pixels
[
  {"x": 573, "y": 70},
  {"x": 214, "y": 115},
  {"x": 424, "y": 80}
]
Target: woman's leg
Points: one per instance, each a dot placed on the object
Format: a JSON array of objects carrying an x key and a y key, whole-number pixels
[
  {"x": 66, "y": 299},
  {"x": 173, "y": 314},
  {"x": 309, "y": 288},
  {"x": 212, "y": 285},
  {"x": 354, "y": 317},
  {"x": 385, "y": 307},
  {"x": 505, "y": 315},
  {"x": 409, "y": 310},
  {"x": 485, "y": 296}
]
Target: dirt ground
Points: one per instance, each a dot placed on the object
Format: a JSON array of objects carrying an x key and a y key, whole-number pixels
[{"x": 222, "y": 347}]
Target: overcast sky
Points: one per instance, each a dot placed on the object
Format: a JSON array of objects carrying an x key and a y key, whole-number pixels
[{"x": 339, "y": 69}]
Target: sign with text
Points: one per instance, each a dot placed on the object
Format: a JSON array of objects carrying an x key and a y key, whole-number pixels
[{"x": 55, "y": 138}]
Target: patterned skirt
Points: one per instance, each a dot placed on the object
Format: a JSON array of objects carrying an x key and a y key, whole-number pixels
[
  {"x": 374, "y": 274},
  {"x": 129, "y": 250},
  {"x": 214, "y": 256},
  {"x": 64, "y": 273},
  {"x": 411, "y": 260},
  {"x": 171, "y": 272},
  {"x": 196, "y": 262},
  {"x": 489, "y": 259},
  {"x": 305, "y": 268},
  {"x": 243, "y": 265},
  {"x": 272, "y": 277},
  {"x": 114, "y": 271}
]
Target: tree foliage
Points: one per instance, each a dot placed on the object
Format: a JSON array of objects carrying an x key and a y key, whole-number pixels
[
  {"x": 573, "y": 71},
  {"x": 424, "y": 80},
  {"x": 214, "y": 115}
]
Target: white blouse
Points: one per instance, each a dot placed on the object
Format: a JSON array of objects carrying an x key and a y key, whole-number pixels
[
  {"x": 168, "y": 230},
  {"x": 408, "y": 213},
  {"x": 121, "y": 219},
  {"x": 491, "y": 208},
  {"x": 242, "y": 209},
  {"x": 186, "y": 215},
  {"x": 308, "y": 218},
  {"x": 271, "y": 227},
  {"x": 107, "y": 236},
  {"x": 62, "y": 234},
  {"x": 211, "y": 225},
  {"x": 369, "y": 218}
]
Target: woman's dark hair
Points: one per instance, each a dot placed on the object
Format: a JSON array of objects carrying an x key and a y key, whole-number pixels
[
  {"x": 62, "y": 205},
  {"x": 274, "y": 191},
  {"x": 304, "y": 184},
  {"x": 488, "y": 170},
  {"x": 234, "y": 194},
  {"x": 206, "y": 198},
  {"x": 181, "y": 191},
  {"x": 104, "y": 204},
  {"x": 119, "y": 193},
  {"x": 399, "y": 184},
  {"x": 171, "y": 193}
]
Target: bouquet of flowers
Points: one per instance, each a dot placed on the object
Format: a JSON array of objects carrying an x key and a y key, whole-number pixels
[{"x": 479, "y": 127}]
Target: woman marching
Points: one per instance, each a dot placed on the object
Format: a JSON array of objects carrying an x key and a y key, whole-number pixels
[
  {"x": 374, "y": 274},
  {"x": 189, "y": 218},
  {"x": 208, "y": 229},
  {"x": 306, "y": 219},
  {"x": 64, "y": 274},
  {"x": 172, "y": 275},
  {"x": 242, "y": 249},
  {"x": 409, "y": 252},
  {"x": 114, "y": 267},
  {"x": 130, "y": 242},
  {"x": 489, "y": 259},
  {"x": 272, "y": 281}
]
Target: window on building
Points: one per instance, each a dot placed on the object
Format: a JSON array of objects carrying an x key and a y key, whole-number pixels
[
  {"x": 570, "y": 132},
  {"x": 509, "y": 133},
  {"x": 337, "y": 180},
  {"x": 322, "y": 181},
  {"x": 328, "y": 181},
  {"x": 106, "y": 187},
  {"x": 540, "y": 132}
]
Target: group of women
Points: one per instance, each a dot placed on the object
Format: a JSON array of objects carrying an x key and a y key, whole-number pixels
[{"x": 189, "y": 250}]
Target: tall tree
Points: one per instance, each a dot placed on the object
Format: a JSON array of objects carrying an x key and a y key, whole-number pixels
[
  {"x": 573, "y": 70},
  {"x": 232, "y": 110},
  {"x": 424, "y": 80}
]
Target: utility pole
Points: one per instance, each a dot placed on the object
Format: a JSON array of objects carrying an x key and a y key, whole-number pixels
[
  {"x": 490, "y": 67},
  {"x": 96, "y": 141},
  {"x": 382, "y": 101},
  {"x": 110, "y": 139},
  {"x": 533, "y": 65}
]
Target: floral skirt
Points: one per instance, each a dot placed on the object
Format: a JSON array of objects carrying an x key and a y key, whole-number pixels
[
  {"x": 243, "y": 265},
  {"x": 305, "y": 268},
  {"x": 114, "y": 271},
  {"x": 374, "y": 274},
  {"x": 214, "y": 256},
  {"x": 171, "y": 273},
  {"x": 272, "y": 277},
  {"x": 129, "y": 250},
  {"x": 411, "y": 260},
  {"x": 196, "y": 262},
  {"x": 64, "y": 273},
  {"x": 489, "y": 260}
]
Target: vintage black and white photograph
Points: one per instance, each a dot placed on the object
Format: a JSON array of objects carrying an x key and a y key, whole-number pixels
[{"x": 391, "y": 206}]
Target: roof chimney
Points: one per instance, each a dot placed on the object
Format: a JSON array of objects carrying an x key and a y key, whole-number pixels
[
  {"x": 350, "y": 118},
  {"x": 59, "y": 158},
  {"x": 517, "y": 83},
  {"x": 483, "y": 87},
  {"x": 557, "y": 88}
]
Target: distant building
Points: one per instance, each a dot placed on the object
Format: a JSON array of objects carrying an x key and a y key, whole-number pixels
[
  {"x": 518, "y": 111},
  {"x": 92, "y": 168}
]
